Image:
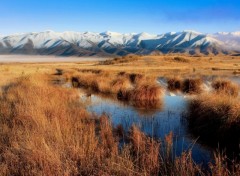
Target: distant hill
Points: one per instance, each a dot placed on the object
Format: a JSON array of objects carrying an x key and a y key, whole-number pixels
[{"x": 112, "y": 43}]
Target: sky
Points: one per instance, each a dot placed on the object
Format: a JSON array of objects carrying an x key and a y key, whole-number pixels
[{"x": 124, "y": 16}]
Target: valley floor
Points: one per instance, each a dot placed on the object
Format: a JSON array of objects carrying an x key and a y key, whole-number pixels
[
  {"x": 46, "y": 130},
  {"x": 43, "y": 59}
]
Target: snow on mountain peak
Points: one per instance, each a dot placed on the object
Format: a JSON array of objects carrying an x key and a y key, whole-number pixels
[
  {"x": 192, "y": 31},
  {"x": 110, "y": 33},
  {"x": 77, "y": 43},
  {"x": 236, "y": 33}
]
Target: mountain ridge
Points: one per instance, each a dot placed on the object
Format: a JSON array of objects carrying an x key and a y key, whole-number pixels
[{"x": 109, "y": 43}]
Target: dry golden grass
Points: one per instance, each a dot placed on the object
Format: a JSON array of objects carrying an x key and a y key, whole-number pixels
[
  {"x": 181, "y": 59},
  {"x": 148, "y": 104},
  {"x": 146, "y": 93},
  {"x": 45, "y": 131},
  {"x": 174, "y": 83},
  {"x": 216, "y": 117},
  {"x": 192, "y": 85},
  {"x": 136, "y": 78},
  {"x": 120, "y": 60},
  {"x": 145, "y": 152},
  {"x": 134, "y": 87},
  {"x": 101, "y": 85},
  {"x": 150, "y": 66},
  {"x": 41, "y": 127},
  {"x": 187, "y": 85},
  {"x": 225, "y": 87},
  {"x": 100, "y": 82},
  {"x": 121, "y": 84}
]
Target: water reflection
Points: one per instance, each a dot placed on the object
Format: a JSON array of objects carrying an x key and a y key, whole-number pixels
[{"x": 157, "y": 121}]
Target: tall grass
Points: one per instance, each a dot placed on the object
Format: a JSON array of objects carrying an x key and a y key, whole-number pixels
[
  {"x": 45, "y": 131},
  {"x": 225, "y": 87},
  {"x": 136, "y": 78},
  {"x": 215, "y": 118},
  {"x": 181, "y": 59},
  {"x": 121, "y": 84},
  {"x": 188, "y": 85},
  {"x": 146, "y": 93},
  {"x": 174, "y": 83},
  {"x": 135, "y": 87},
  {"x": 120, "y": 60},
  {"x": 192, "y": 85}
]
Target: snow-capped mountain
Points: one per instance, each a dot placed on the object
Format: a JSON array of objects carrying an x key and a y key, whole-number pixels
[
  {"x": 112, "y": 43},
  {"x": 231, "y": 39}
]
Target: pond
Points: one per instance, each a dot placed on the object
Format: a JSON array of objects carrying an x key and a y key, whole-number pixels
[
  {"x": 154, "y": 122},
  {"x": 158, "y": 119}
]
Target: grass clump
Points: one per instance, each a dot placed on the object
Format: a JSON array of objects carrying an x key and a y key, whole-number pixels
[
  {"x": 192, "y": 85},
  {"x": 174, "y": 83},
  {"x": 225, "y": 87},
  {"x": 136, "y": 78},
  {"x": 189, "y": 85},
  {"x": 121, "y": 84},
  {"x": 120, "y": 60},
  {"x": 83, "y": 80},
  {"x": 101, "y": 85},
  {"x": 181, "y": 59},
  {"x": 216, "y": 118},
  {"x": 146, "y": 93}
]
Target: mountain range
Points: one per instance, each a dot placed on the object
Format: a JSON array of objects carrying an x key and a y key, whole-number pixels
[{"x": 117, "y": 44}]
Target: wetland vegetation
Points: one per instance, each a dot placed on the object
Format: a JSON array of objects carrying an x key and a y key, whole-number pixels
[{"x": 145, "y": 116}]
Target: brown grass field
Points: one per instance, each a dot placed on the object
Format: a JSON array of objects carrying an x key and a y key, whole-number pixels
[
  {"x": 215, "y": 117},
  {"x": 45, "y": 129},
  {"x": 147, "y": 65}
]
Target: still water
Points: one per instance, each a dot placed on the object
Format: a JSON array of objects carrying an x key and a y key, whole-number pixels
[{"x": 157, "y": 122}]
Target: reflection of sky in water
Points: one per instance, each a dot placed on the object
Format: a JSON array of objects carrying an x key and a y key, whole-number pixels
[
  {"x": 157, "y": 123},
  {"x": 235, "y": 79}
]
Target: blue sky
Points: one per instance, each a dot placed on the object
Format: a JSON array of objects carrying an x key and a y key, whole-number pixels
[{"x": 152, "y": 16}]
